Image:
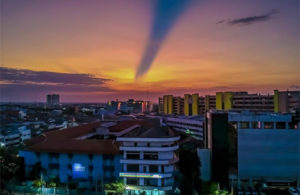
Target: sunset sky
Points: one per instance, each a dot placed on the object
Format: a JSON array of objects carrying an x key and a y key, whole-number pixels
[{"x": 90, "y": 51}]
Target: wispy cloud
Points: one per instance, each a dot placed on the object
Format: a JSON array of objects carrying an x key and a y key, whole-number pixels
[
  {"x": 297, "y": 87},
  {"x": 20, "y": 84},
  {"x": 250, "y": 19},
  {"x": 22, "y": 75}
]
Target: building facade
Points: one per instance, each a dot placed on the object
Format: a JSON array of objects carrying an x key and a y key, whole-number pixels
[
  {"x": 192, "y": 126},
  {"x": 268, "y": 147},
  {"x": 52, "y": 99},
  {"x": 280, "y": 101},
  {"x": 148, "y": 164}
]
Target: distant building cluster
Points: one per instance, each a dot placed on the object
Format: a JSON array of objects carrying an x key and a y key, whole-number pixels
[
  {"x": 241, "y": 141},
  {"x": 130, "y": 106},
  {"x": 280, "y": 101},
  {"x": 53, "y": 99}
]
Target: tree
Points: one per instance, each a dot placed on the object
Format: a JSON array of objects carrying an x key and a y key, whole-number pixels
[
  {"x": 189, "y": 164},
  {"x": 116, "y": 187},
  {"x": 39, "y": 183},
  {"x": 11, "y": 165}
]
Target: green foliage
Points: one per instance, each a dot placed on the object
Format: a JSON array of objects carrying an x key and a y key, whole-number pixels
[
  {"x": 117, "y": 187},
  {"x": 38, "y": 183},
  {"x": 52, "y": 184},
  {"x": 222, "y": 192},
  {"x": 11, "y": 165}
]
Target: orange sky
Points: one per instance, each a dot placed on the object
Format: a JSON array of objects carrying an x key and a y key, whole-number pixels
[{"x": 106, "y": 39}]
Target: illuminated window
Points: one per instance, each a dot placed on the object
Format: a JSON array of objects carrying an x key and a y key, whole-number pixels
[
  {"x": 244, "y": 125},
  {"x": 79, "y": 171},
  {"x": 268, "y": 125}
]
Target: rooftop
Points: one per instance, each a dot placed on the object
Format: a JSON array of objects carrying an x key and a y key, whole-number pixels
[{"x": 63, "y": 141}]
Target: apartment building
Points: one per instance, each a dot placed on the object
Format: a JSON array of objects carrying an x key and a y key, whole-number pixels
[
  {"x": 192, "y": 126},
  {"x": 14, "y": 136},
  {"x": 148, "y": 161},
  {"x": 280, "y": 101},
  {"x": 188, "y": 105}
]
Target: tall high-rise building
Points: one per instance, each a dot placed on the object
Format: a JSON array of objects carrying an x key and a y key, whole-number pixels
[
  {"x": 52, "y": 99},
  {"x": 191, "y": 103},
  {"x": 217, "y": 134}
]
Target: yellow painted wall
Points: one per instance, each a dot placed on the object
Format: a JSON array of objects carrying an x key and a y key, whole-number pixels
[
  {"x": 186, "y": 104},
  {"x": 228, "y": 100},
  {"x": 170, "y": 104},
  {"x": 207, "y": 105},
  {"x": 165, "y": 103},
  {"x": 195, "y": 98},
  {"x": 219, "y": 100}
]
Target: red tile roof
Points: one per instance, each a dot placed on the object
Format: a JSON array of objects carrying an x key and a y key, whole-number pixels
[
  {"x": 74, "y": 132},
  {"x": 122, "y": 125},
  {"x": 76, "y": 146},
  {"x": 63, "y": 141}
]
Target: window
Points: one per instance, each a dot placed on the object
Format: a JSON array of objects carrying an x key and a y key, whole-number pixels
[
  {"x": 280, "y": 125},
  {"x": 268, "y": 125},
  {"x": 133, "y": 168},
  {"x": 150, "y": 182},
  {"x": 153, "y": 168},
  {"x": 91, "y": 168},
  {"x": 53, "y": 166},
  {"x": 132, "y": 181},
  {"x": 255, "y": 125},
  {"x": 133, "y": 155},
  {"x": 53, "y": 155},
  {"x": 244, "y": 125},
  {"x": 150, "y": 155},
  {"x": 70, "y": 156},
  {"x": 108, "y": 157}
]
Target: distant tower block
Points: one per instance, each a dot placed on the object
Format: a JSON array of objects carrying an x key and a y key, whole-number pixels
[{"x": 53, "y": 99}]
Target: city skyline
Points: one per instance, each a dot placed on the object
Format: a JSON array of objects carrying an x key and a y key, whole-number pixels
[{"x": 90, "y": 52}]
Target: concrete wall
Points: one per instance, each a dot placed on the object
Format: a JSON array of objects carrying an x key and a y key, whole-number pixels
[{"x": 269, "y": 154}]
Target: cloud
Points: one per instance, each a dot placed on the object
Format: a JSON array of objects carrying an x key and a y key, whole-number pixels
[
  {"x": 220, "y": 22},
  {"x": 21, "y": 76},
  {"x": 166, "y": 15},
  {"x": 295, "y": 87},
  {"x": 251, "y": 19},
  {"x": 26, "y": 85}
]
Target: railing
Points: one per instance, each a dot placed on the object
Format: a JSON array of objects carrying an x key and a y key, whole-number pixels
[
  {"x": 151, "y": 162},
  {"x": 151, "y": 149}
]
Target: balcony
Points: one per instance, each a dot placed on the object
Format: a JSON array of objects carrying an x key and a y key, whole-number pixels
[
  {"x": 145, "y": 175},
  {"x": 160, "y": 188},
  {"x": 150, "y": 162},
  {"x": 149, "y": 149}
]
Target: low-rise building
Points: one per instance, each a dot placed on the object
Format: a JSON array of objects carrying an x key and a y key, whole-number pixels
[
  {"x": 73, "y": 155},
  {"x": 13, "y": 136},
  {"x": 192, "y": 126}
]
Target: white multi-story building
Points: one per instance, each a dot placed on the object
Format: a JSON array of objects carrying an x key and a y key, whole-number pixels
[
  {"x": 192, "y": 126},
  {"x": 15, "y": 137},
  {"x": 148, "y": 163}
]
